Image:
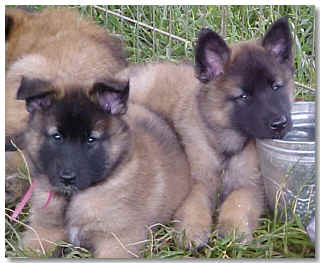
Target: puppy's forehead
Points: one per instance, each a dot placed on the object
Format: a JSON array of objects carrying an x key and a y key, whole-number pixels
[
  {"x": 252, "y": 60},
  {"x": 77, "y": 116},
  {"x": 252, "y": 66}
]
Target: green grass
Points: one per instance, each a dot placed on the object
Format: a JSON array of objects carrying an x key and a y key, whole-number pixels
[
  {"x": 235, "y": 23},
  {"x": 273, "y": 238}
]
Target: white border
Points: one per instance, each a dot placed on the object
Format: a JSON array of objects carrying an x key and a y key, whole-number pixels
[{"x": 142, "y": 2}]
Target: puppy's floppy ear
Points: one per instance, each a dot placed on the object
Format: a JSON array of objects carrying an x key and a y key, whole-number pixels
[
  {"x": 111, "y": 95},
  {"x": 278, "y": 40},
  {"x": 37, "y": 93},
  {"x": 211, "y": 55}
]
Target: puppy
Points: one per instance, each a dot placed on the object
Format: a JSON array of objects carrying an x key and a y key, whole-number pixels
[
  {"x": 231, "y": 96},
  {"x": 112, "y": 172}
]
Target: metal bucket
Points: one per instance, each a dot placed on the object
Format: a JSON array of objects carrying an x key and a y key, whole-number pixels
[{"x": 288, "y": 166}]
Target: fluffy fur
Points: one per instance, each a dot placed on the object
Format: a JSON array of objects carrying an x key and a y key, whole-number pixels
[
  {"x": 233, "y": 95},
  {"x": 113, "y": 173}
]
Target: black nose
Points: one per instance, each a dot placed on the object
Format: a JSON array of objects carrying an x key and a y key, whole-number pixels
[
  {"x": 279, "y": 123},
  {"x": 68, "y": 175}
]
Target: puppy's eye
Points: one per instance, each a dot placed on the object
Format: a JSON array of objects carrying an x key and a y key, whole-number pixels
[
  {"x": 94, "y": 137},
  {"x": 275, "y": 86},
  {"x": 57, "y": 137},
  {"x": 91, "y": 140},
  {"x": 244, "y": 96}
]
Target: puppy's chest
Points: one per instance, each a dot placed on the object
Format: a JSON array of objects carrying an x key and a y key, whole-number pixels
[
  {"x": 80, "y": 236},
  {"x": 78, "y": 218},
  {"x": 86, "y": 215}
]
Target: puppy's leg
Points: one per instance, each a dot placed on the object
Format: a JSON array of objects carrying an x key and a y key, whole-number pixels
[
  {"x": 195, "y": 216},
  {"x": 239, "y": 213},
  {"x": 244, "y": 194},
  {"x": 195, "y": 213}
]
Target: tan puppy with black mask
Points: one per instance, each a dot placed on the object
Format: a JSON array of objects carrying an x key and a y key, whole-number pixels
[
  {"x": 233, "y": 95},
  {"x": 113, "y": 173}
]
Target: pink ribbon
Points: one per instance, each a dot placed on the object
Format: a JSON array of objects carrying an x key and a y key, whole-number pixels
[
  {"x": 25, "y": 199},
  {"x": 23, "y": 202},
  {"x": 48, "y": 200}
]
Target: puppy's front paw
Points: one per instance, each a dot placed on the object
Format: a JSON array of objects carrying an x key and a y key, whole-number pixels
[
  {"x": 238, "y": 230},
  {"x": 193, "y": 236},
  {"x": 239, "y": 214},
  {"x": 196, "y": 224}
]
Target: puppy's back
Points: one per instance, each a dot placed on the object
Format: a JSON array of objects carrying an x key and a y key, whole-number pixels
[
  {"x": 165, "y": 87},
  {"x": 53, "y": 29}
]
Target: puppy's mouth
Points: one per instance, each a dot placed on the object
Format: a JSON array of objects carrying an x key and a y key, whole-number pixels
[
  {"x": 65, "y": 190},
  {"x": 282, "y": 133}
]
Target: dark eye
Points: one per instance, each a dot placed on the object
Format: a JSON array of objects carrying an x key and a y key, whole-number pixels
[
  {"x": 275, "y": 86},
  {"x": 244, "y": 96},
  {"x": 91, "y": 140},
  {"x": 56, "y": 137}
]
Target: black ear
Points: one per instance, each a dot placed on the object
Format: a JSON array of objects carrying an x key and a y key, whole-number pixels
[
  {"x": 112, "y": 95},
  {"x": 9, "y": 24},
  {"x": 211, "y": 55},
  {"x": 37, "y": 93},
  {"x": 278, "y": 41}
]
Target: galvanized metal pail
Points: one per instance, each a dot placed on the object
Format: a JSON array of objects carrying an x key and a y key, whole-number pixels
[{"x": 288, "y": 166}]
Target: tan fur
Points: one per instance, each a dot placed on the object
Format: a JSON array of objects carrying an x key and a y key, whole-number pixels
[
  {"x": 171, "y": 89},
  {"x": 199, "y": 113},
  {"x": 141, "y": 192},
  {"x": 242, "y": 207},
  {"x": 57, "y": 45}
]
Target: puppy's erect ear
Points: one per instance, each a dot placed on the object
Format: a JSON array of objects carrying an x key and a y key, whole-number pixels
[
  {"x": 37, "y": 93},
  {"x": 278, "y": 40},
  {"x": 112, "y": 95},
  {"x": 211, "y": 55}
]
